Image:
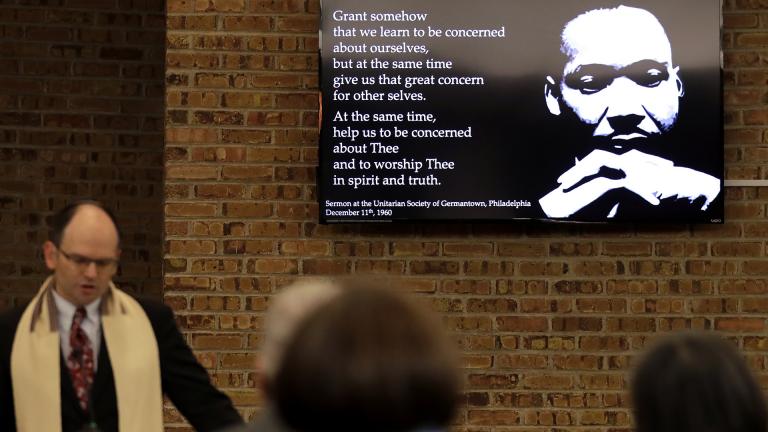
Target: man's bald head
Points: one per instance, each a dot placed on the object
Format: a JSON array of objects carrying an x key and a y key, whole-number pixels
[
  {"x": 615, "y": 37},
  {"x": 64, "y": 216}
]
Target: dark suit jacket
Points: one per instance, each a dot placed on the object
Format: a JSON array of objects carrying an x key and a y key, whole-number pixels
[{"x": 184, "y": 380}]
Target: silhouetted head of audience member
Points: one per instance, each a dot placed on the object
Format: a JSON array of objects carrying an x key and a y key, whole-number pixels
[
  {"x": 286, "y": 311},
  {"x": 367, "y": 360},
  {"x": 696, "y": 383}
]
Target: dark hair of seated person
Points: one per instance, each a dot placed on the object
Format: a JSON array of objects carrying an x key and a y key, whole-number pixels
[
  {"x": 694, "y": 382},
  {"x": 369, "y": 360}
]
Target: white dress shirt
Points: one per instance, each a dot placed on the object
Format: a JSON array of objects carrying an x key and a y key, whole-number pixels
[{"x": 91, "y": 325}]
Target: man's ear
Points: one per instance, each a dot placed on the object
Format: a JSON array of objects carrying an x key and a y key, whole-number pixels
[
  {"x": 552, "y": 96},
  {"x": 680, "y": 88},
  {"x": 49, "y": 253}
]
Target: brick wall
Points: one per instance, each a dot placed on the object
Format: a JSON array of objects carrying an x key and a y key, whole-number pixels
[
  {"x": 81, "y": 109},
  {"x": 549, "y": 318}
]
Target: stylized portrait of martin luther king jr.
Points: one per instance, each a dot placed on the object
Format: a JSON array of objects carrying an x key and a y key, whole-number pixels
[{"x": 620, "y": 86}]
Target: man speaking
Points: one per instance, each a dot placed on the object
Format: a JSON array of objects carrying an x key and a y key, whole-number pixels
[
  {"x": 83, "y": 355},
  {"x": 621, "y": 88}
]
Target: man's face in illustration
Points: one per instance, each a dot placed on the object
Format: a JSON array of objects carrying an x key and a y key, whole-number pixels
[{"x": 619, "y": 78}]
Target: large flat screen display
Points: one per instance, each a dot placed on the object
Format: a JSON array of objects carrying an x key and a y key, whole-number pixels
[{"x": 495, "y": 110}]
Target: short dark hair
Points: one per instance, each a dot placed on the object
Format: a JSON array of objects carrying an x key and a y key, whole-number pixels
[
  {"x": 63, "y": 217},
  {"x": 695, "y": 382},
  {"x": 367, "y": 360}
]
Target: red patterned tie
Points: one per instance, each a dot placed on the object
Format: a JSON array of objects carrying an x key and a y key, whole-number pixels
[{"x": 80, "y": 360}]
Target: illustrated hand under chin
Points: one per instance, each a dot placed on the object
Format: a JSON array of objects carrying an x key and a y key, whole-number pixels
[{"x": 651, "y": 177}]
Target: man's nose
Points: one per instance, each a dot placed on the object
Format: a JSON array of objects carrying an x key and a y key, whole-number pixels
[
  {"x": 626, "y": 99},
  {"x": 90, "y": 270},
  {"x": 624, "y": 112},
  {"x": 627, "y": 122}
]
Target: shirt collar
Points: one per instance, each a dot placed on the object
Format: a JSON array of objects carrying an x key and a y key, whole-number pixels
[{"x": 67, "y": 310}]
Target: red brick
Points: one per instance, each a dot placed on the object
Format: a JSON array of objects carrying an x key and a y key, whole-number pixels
[
  {"x": 476, "y": 287},
  {"x": 187, "y": 61},
  {"x": 217, "y": 342},
  {"x": 300, "y": 24},
  {"x": 276, "y": 6},
  {"x": 522, "y": 324},
  {"x": 582, "y": 287},
  {"x": 469, "y": 323},
  {"x": 405, "y": 248},
  {"x": 192, "y": 172},
  {"x": 180, "y": 6},
  {"x": 686, "y": 287},
  {"x": 220, "y": 5},
  {"x": 54, "y": 34},
  {"x": 529, "y": 268},
  {"x": 548, "y": 382},
  {"x": 207, "y": 228},
  {"x": 600, "y": 305},
  {"x": 190, "y": 209},
  {"x": 658, "y": 267},
  {"x": 522, "y": 249},
  {"x": 571, "y": 324},
  {"x": 217, "y": 191},
  {"x": 578, "y": 362},
  {"x": 755, "y": 267},
  {"x": 543, "y": 305},
  {"x": 216, "y": 266},
  {"x": 754, "y": 305},
  {"x": 661, "y": 305},
  {"x": 246, "y": 209},
  {"x": 627, "y": 249},
  {"x": 274, "y": 229},
  {"x": 250, "y": 247},
  {"x": 245, "y": 136},
  {"x": 305, "y": 248},
  {"x": 491, "y": 305},
  {"x": 247, "y": 173},
  {"x": 572, "y": 249},
  {"x": 468, "y": 249},
  {"x": 191, "y": 247},
  {"x": 738, "y": 287},
  {"x": 522, "y": 287},
  {"x": 248, "y": 23},
  {"x": 360, "y": 249},
  {"x": 740, "y": 324},
  {"x": 753, "y": 343},
  {"x": 276, "y": 265},
  {"x": 215, "y": 303},
  {"x": 276, "y": 192},
  {"x": 434, "y": 267},
  {"x": 630, "y": 324},
  {"x": 739, "y": 21},
  {"x": 751, "y": 40},
  {"x": 492, "y": 381}
]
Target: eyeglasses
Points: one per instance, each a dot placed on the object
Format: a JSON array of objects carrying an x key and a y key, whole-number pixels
[
  {"x": 592, "y": 78},
  {"x": 82, "y": 263}
]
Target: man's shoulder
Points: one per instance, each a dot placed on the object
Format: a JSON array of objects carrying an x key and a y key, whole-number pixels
[
  {"x": 10, "y": 317},
  {"x": 155, "y": 310},
  {"x": 9, "y": 321}
]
